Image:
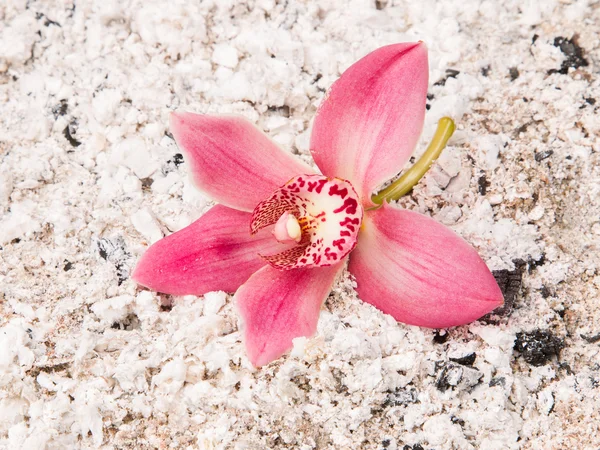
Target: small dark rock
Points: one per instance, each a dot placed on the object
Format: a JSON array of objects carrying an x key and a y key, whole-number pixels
[
  {"x": 566, "y": 368},
  {"x": 509, "y": 282},
  {"x": 538, "y": 347},
  {"x": 450, "y": 73},
  {"x": 592, "y": 339},
  {"x": 68, "y": 132},
  {"x": 417, "y": 447},
  {"x": 178, "y": 159},
  {"x": 60, "y": 109},
  {"x": 590, "y": 101},
  {"x": 450, "y": 377},
  {"x": 147, "y": 183},
  {"x": 386, "y": 443},
  {"x": 302, "y": 382},
  {"x": 485, "y": 71},
  {"x": 482, "y": 184},
  {"x": 466, "y": 360},
  {"x": 522, "y": 128},
  {"x": 172, "y": 164},
  {"x": 514, "y": 73},
  {"x": 380, "y": 4},
  {"x": 534, "y": 38},
  {"x": 457, "y": 420},
  {"x": 122, "y": 272},
  {"x": 545, "y": 292},
  {"x": 456, "y": 376},
  {"x": 284, "y": 110},
  {"x": 440, "y": 336},
  {"x": 401, "y": 397},
  {"x": 533, "y": 263},
  {"x": 499, "y": 381},
  {"x": 49, "y": 22},
  {"x": 540, "y": 156},
  {"x": 574, "y": 55},
  {"x": 68, "y": 266},
  {"x": 102, "y": 250},
  {"x": 114, "y": 251}
]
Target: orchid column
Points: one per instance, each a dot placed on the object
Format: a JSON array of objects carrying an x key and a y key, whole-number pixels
[{"x": 282, "y": 232}]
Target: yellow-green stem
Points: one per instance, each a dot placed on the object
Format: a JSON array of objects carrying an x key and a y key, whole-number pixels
[{"x": 411, "y": 177}]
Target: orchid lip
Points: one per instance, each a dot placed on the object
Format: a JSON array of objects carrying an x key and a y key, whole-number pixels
[
  {"x": 321, "y": 215},
  {"x": 287, "y": 229}
]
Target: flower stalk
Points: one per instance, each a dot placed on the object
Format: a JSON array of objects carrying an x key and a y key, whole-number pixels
[{"x": 411, "y": 177}]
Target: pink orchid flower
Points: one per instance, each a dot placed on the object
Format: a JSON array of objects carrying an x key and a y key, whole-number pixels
[{"x": 282, "y": 232}]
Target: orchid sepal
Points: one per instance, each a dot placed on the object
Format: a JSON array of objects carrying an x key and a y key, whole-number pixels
[{"x": 421, "y": 272}]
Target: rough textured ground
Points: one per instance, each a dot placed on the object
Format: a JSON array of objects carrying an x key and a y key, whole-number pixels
[{"x": 89, "y": 176}]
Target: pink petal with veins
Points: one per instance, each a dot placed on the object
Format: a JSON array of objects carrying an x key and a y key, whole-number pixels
[
  {"x": 231, "y": 160},
  {"x": 370, "y": 121},
  {"x": 277, "y": 306},
  {"x": 216, "y": 252},
  {"x": 420, "y": 272}
]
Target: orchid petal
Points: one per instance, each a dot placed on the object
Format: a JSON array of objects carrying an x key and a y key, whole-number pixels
[
  {"x": 277, "y": 306},
  {"x": 370, "y": 121},
  {"x": 231, "y": 160},
  {"x": 328, "y": 213},
  {"x": 216, "y": 252},
  {"x": 420, "y": 272}
]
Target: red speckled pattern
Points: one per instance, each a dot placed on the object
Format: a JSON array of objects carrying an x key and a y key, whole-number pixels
[{"x": 329, "y": 212}]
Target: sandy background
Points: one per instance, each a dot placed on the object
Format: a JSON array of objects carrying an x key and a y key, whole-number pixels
[{"x": 89, "y": 177}]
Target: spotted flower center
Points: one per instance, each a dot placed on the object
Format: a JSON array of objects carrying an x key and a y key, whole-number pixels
[{"x": 321, "y": 215}]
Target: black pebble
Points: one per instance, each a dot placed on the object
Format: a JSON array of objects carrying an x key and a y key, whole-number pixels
[
  {"x": 538, "y": 347},
  {"x": 401, "y": 397},
  {"x": 60, "y": 109},
  {"x": 178, "y": 159},
  {"x": 440, "y": 336},
  {"x": 540, "y": 156},
  {"x": 500, "y": 381},
  {"x": 592, "y": 339},
  {"x": 449, "y": 371},
  {"x": 450, "y": 73},
  {"x": 466, "y": 360},
  {"x": 482, "y": 184},
  {"x": 509, "y": 282},
  {"x": 457, "y": 420},
  {"x": 68, "y": 133},
  {"x": 574, "y": 55}
]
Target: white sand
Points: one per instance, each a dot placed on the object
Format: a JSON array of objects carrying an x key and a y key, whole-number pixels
[{"x": 88, "y": 360}]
